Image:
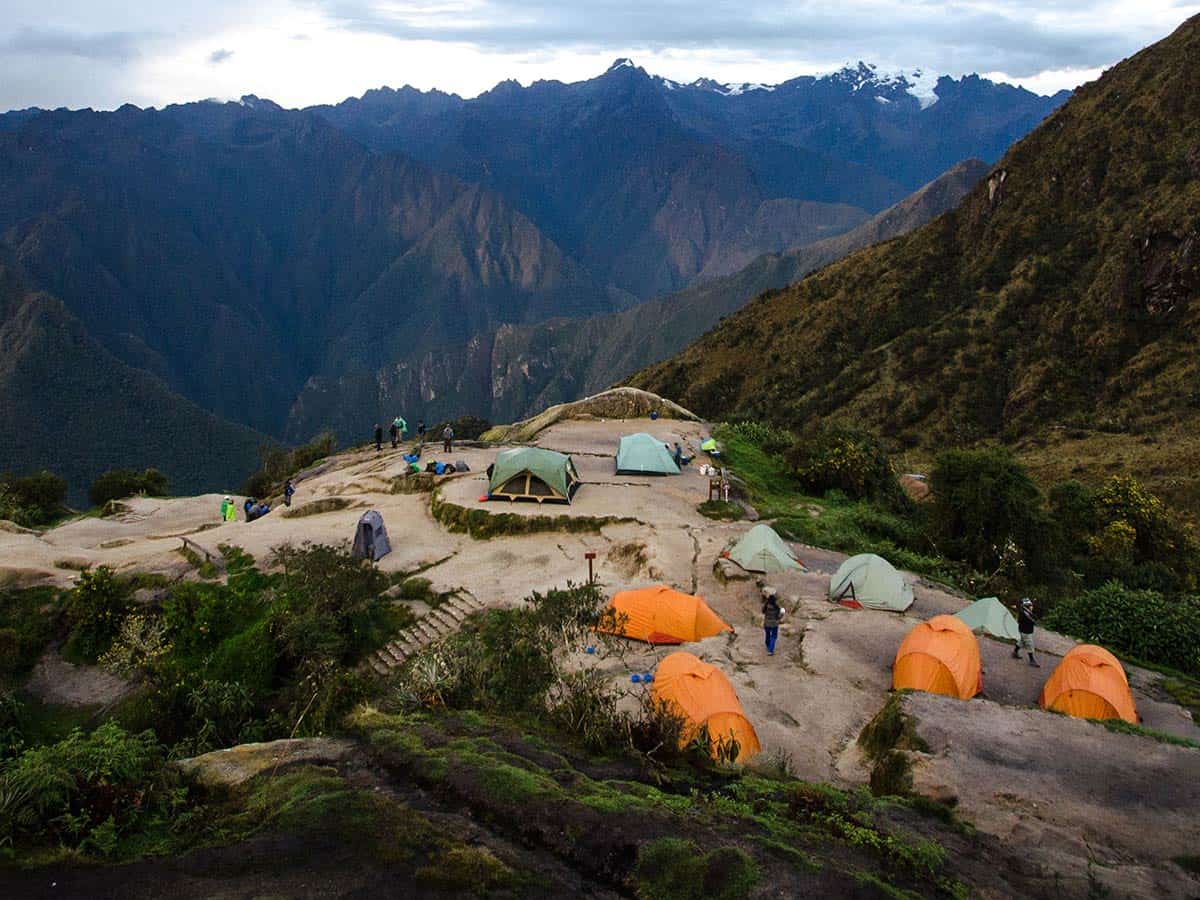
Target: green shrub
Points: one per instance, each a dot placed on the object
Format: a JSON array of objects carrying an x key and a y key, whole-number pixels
[
  {"x": 84, "y": 791},
  {"x": 767, "y": 438},
  {"x": 29, "y": 619},
  {"x": 277, "y": 464},
  {"x": 248, "y": 658},
  {"x": 117, "y": 484},
  {"x": 672, "y": 868},
  {"x": 844, "y": 459},
  {"x": 96, "y": 608},
  {"x": 1140, "y": 623},
  {"x": 32, "y": 500},
  {"x": 987, "y": 511}
]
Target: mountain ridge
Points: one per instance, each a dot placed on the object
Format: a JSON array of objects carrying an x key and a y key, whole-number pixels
[{"x": 1054, "y": 309}]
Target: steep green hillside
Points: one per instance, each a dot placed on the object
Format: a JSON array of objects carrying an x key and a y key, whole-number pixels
[
  {"x": 1055, "y": 309},
  {"x": 60, "y": 389}
]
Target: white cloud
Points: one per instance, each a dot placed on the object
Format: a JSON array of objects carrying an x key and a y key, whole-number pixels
[{"x": 103, "y": 52}]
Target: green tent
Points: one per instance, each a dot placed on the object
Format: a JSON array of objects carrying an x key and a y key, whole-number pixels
[
  {"x": 989, "y": 614},
  {"x": 762, "y": 550},
  {"x": 530, "y": 473},
  {"x": 708, "y": 445},
  {"x": 871, "y": 581},
  {"x": 641, "y": 454}
]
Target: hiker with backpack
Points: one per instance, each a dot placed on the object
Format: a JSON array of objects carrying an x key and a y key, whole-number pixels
[
  {"x": 288, "y": 490},
  {"x": 1025, "y": 626},
  {"x": 447, "y": 439},
  {"x": 772, "y": 616}
]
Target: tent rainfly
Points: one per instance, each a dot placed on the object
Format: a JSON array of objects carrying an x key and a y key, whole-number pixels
[
  {"x": 660, "y": 615},
  {"x": 706, "y": 699},
  {"x": 642, "y": 454},
  {"x": 940, "y": 656},
  {"x": 530, "y": 473},
  {"x": 1091, "y": 684},
  {"x": 762, "y": 550},
  {"x": 371, "y": 537},
  {"x": 871, "y": 581},
  {"x": 988, "y": 614}
]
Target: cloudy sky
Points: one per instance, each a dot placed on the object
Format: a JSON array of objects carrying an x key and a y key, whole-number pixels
[{"x": 102, "y": 53}]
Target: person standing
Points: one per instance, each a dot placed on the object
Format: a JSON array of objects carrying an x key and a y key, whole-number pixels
[
  {"x": 288, "y": 490},
  {"x": 1025, "y": 626},
  {"x": 447, "y": 439},
  {"x": 394, "y": 432},
  {"x": 225, "y": 504},
  {"x": 420, "y": 436},
  {"x": 401, "y": 426},
  {"x": 772, "y": 615},
  {"x": 378, "y": 438},
  {"x": 248, "y": 506}
]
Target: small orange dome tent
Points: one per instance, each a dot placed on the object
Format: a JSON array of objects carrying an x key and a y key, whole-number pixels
[
  {"x": 1089, "y": 683},
  {"x": 660, "y": 615},
  {"x": 940, "y": 656},
  {"x": 705, "y": 698}
]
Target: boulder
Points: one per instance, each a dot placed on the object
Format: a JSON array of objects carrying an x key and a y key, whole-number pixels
[{"x": 236, "y": 765}]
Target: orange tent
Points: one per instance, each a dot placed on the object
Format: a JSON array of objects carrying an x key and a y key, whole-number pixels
[
  {"x": 940, "y": 656},
  {"x": 659, "y": 615},
  {"x": 1089, "y": 683},
  {"x": 705, "y": 697}
]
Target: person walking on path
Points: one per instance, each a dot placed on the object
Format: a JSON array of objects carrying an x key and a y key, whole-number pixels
[
  {"x": 1025, "y": 625},
  {"x": 772, "y": 614},
  {"x": 378, "y": 438},
  {"x": 447, "y": 439},
  {"x": 394, "y": 432},
  {"x": 288, "y": 490}
]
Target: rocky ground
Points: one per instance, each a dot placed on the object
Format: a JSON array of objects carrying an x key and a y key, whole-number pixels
[{"x": 1073, "y": 797}]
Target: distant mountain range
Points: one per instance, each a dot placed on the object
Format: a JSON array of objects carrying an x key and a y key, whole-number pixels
[
  {"x": 1056, "y": 309},
  {"x": 286, "y": 270}
]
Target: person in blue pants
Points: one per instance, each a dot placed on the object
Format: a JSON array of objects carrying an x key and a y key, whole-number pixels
[{"x": 772, "y": 614}]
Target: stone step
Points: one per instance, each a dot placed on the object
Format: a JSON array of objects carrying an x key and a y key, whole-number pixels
[{"x": 379, "y": 667}]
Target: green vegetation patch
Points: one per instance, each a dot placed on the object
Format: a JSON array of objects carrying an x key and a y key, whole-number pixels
[
  {"x": 482, "y": 524},
  {"x": 676, "y": 869},
  {"x": 884, "y": 740},
  {"x": 721, "y": 510},
  {"x": 28, "y": 622},
  {"x": 1120, "y": 726},
  {"x": 317, "y": 507}
]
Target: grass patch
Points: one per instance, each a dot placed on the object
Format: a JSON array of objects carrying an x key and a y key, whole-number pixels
[
  {"x": 317, "y": 507},
  {"x": 28, "y": 622},
  {"x": 1185, "y": 691},
  {"x": 676, "y": 869},
  {"x": 482, "y": 525},
  {"x": 721, "y": 510},
  {"x": 1120, "y": 726},
  {"x": 884, "y": 740}
]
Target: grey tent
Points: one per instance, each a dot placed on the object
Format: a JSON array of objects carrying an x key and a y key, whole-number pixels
[
  {"x": 989, "y": 614},
  {"x": 641, "y": 454},
  {"x": 371, "y": 537},
  {"x": 871, "y": 581},
  {"x": 762, "y": 550}
]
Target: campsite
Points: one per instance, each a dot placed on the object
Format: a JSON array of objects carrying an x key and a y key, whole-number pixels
[{"x": 1055, "y": 790}]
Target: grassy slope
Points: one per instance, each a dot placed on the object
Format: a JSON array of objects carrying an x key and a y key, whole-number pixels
[{"x": 1055, "y": 310}]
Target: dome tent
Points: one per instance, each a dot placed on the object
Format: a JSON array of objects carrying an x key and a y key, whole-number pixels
[
  {"x": 761, "y": 549},
  {"x": 660, "y": 615},
  {"x": 989, "y": 615},
  {"x": 940, "y": 656},
  {"x": 871, "y": 581},
  {"x": 531, "y": 473},
  {"x": 371, "y": 537},
  {"x": 706, "y": 699},
  {"x": 642, "y": 454},
  {"x": 1089, "y": 683}
]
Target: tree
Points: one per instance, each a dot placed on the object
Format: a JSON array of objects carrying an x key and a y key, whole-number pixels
[
  {"x": 116, "y": 484},
  {"x": 985, "y": 506}
]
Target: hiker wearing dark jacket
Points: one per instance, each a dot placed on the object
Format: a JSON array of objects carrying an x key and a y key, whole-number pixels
[
  {"x": 288, "y": 490},
  {"x": 1025, "y": 626},
  {"x": 394, "y": 433},
  {"x": 378, "y": 438},
  {"x": 772, "y": 614}
]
